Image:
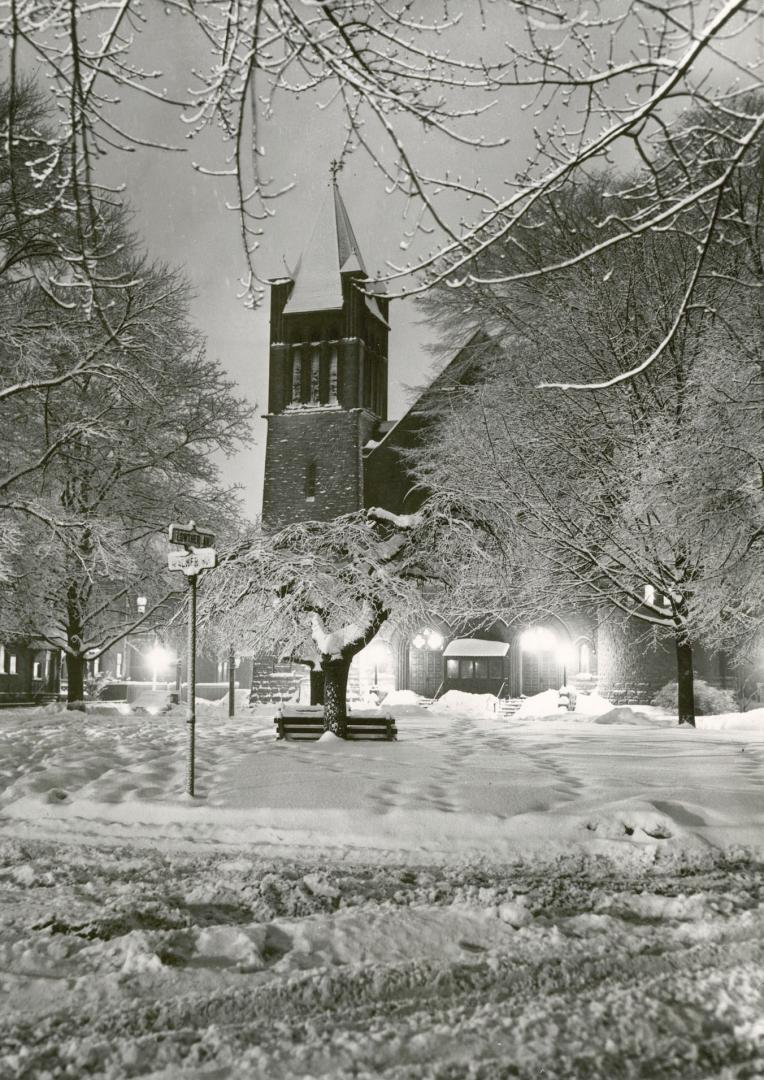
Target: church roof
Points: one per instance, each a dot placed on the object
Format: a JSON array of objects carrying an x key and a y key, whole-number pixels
[{"x": 332, "y": 250}]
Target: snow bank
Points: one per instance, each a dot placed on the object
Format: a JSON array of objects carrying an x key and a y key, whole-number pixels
[
  {"x": 544, "y": 704},
  {"x": 623, "y": 714},
  {"x": 467, "y": 705},
  {"x": 592, "y": 704},
  {"x": 220, "y": 705},
  {"x": 747, "y": 721},
  {"x": 547, "y": 704},
  {"x": 401, "y": 697}
]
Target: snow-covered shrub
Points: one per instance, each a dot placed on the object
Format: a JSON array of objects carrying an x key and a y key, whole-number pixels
[{"x": 709, "y": 700}]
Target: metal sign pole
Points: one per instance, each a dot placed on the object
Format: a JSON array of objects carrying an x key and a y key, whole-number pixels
[
  {"x": 231, "y": 678},
  {"x": 199, "y": 555},
  {"x": 191, "y": 681}
]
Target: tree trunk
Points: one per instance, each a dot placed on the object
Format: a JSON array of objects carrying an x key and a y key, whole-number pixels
[
  {"x": 685, "y": 684},
  {"x": 316, "y": 687},
  {"x": 335, "y": 673},
  {"x": 75, "y": 674}
]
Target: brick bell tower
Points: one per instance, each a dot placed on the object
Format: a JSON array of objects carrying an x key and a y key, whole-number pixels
[{"x": 327, "y": 376}]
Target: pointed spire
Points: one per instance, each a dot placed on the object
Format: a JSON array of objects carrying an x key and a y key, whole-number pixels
[{"x": 332, "y": 250}]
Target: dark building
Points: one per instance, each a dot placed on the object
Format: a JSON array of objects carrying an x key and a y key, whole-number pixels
[
  {"x": 327, "y": 377},
  {"x": 29, "y": 672},
  {"x": 331, "y": 450}
]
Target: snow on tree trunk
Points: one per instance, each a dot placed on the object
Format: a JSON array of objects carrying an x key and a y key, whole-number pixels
[
  {"x": 75, "y": 674},
  {"x": 685, "y": 683},
  {"x": 335, "y": 678},
  {"x": 337, "y": 649}
]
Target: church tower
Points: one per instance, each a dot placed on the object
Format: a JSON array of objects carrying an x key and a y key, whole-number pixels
[{"x": 327, "y": 376}]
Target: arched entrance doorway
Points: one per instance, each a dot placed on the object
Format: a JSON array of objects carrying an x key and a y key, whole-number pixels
[
  {"x": 373, "y": 667},
  {"x": 543, "y": 656}
]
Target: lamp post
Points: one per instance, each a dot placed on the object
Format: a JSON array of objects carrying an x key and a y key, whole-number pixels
[{"x": 433, "y": 641}]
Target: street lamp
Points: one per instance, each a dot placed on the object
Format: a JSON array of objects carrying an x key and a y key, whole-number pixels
[
  {"x": 538, "y": 639},
  {"x": 428, "y": 639},
  {"x": 377, "y": 653},
  {"x": 158, "y": 658},
  {"x": 565, "y": 659}
]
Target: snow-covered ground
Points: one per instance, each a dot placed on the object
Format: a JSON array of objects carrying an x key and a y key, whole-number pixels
[{"x": 559, "y": 896}]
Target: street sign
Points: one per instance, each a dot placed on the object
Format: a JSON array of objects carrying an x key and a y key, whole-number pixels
[
  {"x": 190, "y": 536},
  {"x": 191, "y": 562}
]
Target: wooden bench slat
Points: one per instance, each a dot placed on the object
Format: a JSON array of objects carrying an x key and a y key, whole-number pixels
[{"x": 310, "y": 726}]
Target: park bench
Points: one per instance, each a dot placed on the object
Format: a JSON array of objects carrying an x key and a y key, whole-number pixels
[{"x": 307, "y": 722}]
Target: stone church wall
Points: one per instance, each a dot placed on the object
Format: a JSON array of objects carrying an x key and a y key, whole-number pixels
[{"x": 328, "y": 441}]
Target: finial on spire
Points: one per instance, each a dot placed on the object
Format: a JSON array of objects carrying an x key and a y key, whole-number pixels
[{"x": 336, "y": 167}]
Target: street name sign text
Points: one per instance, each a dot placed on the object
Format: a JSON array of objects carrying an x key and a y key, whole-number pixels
[
  {"x": 191, "y": 562},
  {"x": 190, "y": 536}
]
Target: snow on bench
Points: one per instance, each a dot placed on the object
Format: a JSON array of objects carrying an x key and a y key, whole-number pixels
[{"x": 307, "y": 722}]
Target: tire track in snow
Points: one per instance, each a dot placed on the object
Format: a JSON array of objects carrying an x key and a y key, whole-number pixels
[{"x": 658, "y": 976}]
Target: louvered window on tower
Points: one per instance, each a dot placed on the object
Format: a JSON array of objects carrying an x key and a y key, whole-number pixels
[
  {"x": 310, "y": 482},
  {"x": 315, "y": 373},
  {"x": 297, "y": 376},
  {"x": 333, "y": 371}
]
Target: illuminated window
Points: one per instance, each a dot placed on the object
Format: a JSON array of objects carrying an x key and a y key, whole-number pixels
[
  {"x": 496, "y": 668},
  {"x": 37, "y": 670},
  {"x": 452, "y": 669}
]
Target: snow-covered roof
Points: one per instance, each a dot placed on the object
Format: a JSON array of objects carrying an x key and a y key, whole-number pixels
[
  {"x": 332, "y": 250},
  {"x": 468, "y": 646},
  {"x": 440, "y": 380}
]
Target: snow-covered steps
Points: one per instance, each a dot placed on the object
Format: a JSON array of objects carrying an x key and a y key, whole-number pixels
[{"x": 274, "y": 687}]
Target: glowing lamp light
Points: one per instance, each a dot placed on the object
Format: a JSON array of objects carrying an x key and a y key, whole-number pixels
[
  {"x": 538, "y": 639},
  {"x": 428, "y": 639},
  {"x": 141, "y": 602},
  {"x": 159, "y": 657},
  {"x": 565, "y": 655}
]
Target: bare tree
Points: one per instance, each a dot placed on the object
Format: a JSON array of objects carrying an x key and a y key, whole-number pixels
[
  {"x": 597, "y": 79},
  {"x": 58, "y": 332},
  {"x": 644, "y": 497},
  {"x": 323, "y": 590},
  {"x": 130, "y": 456}
]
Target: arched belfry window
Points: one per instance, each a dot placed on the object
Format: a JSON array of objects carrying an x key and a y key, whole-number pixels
[{"x": 310, "y": 481}]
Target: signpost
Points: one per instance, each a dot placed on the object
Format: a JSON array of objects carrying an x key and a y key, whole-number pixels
[
  {"x": 191, "y": 562},
  {"x": 199, "y": 555},
  {"x": 231, "y": 681},
  {"x": 190, "y": 537}
]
